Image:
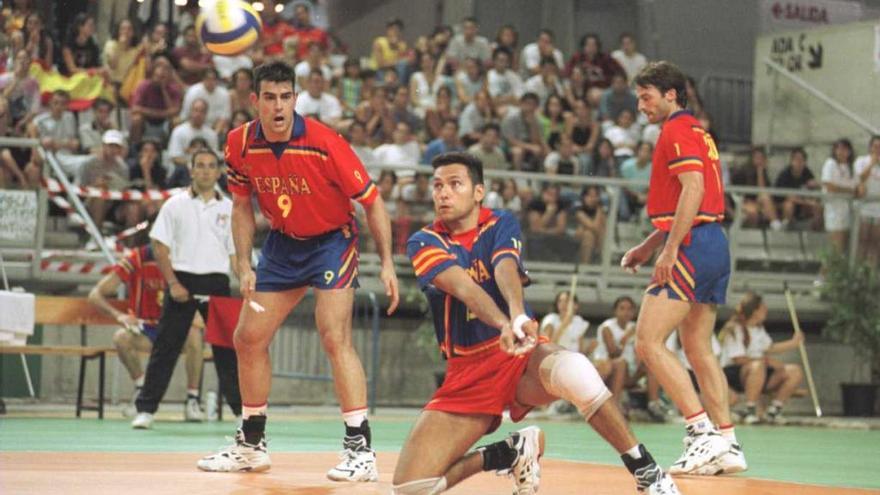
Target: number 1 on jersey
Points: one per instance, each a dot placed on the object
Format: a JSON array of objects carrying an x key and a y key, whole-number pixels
[{"x": 285, "y": 204}]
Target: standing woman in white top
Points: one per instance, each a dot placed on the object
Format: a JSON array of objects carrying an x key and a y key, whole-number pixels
[
  {"x": 837, "y": 177},
  {"x": 745, "y": 350},
  {"x": 565, "y": 327},
  {"x": 867, "y": 171}
]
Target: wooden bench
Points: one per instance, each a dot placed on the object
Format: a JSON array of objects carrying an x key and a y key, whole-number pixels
[{"x": 86, "y": 354}]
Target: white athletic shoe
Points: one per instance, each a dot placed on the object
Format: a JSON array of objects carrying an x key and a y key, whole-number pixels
[
  {"x": 661, "y": 484},
  {"x": 238, "y": 457},
  {"x": 143, "y": 421},
  {"x": 700, "y": 450},
  {"x": 358, "y": 462},
  {"x": 192, "y": 411},
  {"x": 526, "y": 468},
  {"x": 734, "y": 461}
]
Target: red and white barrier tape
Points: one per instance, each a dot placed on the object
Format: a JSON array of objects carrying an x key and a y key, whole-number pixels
[
  {"x": 53, "y": 186},
  {"x": 76, "y": 267}
]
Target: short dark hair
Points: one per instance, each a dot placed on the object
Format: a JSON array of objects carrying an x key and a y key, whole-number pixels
[
  {"x": 530, "y": 96},
  {"x": 559, "y": 296},
  {"x": 491, "y": 126},
  {"x": 471, "y": 19},
  {"x": 501, "y": 49},
  {"x": 664, "y": 76},
  {"x": 474, "y": 165},
  {"x": 277, "y": 72},
  {"x": 203, "y": 151},
  {"x": 622, "y": 299},
  {"x": 102, "y": 102},
  {"x": 800, "y": 150},
  {"x": 394, "y": 22}
]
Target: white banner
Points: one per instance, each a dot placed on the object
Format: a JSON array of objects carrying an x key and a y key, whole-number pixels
[{"x": 779, "y": 15}]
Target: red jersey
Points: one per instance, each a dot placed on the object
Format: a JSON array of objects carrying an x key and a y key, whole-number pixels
[
  {"x": 684, "y": 146},
  {"x": 144, "y": 283},
  {"x": 274, "y": 35},
  {"x": 305, "y": 36},
  {"x": 305, "y": 185}
]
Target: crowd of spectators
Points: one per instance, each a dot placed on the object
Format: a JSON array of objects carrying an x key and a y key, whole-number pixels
[{"x": 518, "y": 104}]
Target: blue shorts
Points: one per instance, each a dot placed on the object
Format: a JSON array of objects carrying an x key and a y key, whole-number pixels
[
  {"x": 702, "y": 271},
  {"x": 327, "y": 261},
  {"x": 150, "y": 331}
]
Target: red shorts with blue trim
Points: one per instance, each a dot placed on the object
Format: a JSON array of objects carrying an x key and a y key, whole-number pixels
[
  {"x": 702, "y": 271},
  {"x": 483, "y": 383},
  {"x": 327, "y": 261}
]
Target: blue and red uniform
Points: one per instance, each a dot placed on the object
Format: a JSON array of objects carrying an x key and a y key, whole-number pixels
[
  {"x": 480, "y": 377},
  {"x": 304, "y": 187},
  {"x": 702, "y": 270},
  {"x": 145, "y": 286}
]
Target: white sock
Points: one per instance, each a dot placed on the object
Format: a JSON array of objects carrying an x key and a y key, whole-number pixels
[
  {"x": 193, "y": 392},
  {"x": 634, "y": 452},
  {"x": 248, "y": 411},
  {"x": 728, "y": 433},
  {"x": 355, "y": 417},
  {"x": 699, "y": 423},
  {"x": 139, "y": 381}
]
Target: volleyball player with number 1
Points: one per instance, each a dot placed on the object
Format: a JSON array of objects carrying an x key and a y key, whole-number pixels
[{"x": 304, "y": 176}]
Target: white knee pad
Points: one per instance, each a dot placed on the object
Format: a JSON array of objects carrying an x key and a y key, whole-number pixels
[
  {"x": 430, "y": 486},
  {"x": 571, "y": 376}
]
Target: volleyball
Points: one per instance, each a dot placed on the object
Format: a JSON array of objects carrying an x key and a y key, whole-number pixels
[{"x": 228, "y": 27}]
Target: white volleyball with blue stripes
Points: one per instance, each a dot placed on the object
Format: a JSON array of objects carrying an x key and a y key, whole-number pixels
[{"x": 228, "y": 27}]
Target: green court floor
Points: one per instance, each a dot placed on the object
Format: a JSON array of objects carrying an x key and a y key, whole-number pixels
[{"x": 823, "y": 456}]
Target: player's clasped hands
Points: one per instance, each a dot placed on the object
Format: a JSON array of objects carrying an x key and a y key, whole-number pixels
[{"x": 520, "y": 336}]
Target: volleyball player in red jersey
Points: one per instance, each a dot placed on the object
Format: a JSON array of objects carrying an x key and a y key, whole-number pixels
[
  {"x": 305, "y": 177},
  {"x": 686, "y": 206}
]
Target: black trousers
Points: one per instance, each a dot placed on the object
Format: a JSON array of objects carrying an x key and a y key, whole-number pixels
[{"x": 174, "y": 325}]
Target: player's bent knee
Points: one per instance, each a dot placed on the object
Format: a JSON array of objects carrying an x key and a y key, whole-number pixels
[
  {"x": 571, "y": 376},
  {"x": 121, "y": 338},
  {"x": 429, "y": 486}
]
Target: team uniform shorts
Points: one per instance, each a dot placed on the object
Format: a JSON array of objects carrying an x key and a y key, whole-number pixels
[
  {"x": 702, "y": 271},
  {"x": 327, "y": 261}
]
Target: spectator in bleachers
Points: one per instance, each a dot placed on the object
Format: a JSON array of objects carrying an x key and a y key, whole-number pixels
[
  {"x": 591, "y": 218},
  {"x": 275, "y": 31},
  {"x": 416, "y": 206},
  {"x": 195, "y": 126},
  {"x": 475, "y": 116},
  {"x": 15, "y": 14},
  {"x": 390, "y": 51},
  {"x": 565, "y": 327},
  {"x": 505, "y": 197},
  {"x": 546, "y": 82},
  {"x": 401, "y": 110},
  {"x": 375, "y": 113},
  {"x": 107, "y": 170},
  {"x": 443, "y": 110},
  {"x": 22, "y": 93},
  {"x": 597, "y": 65},
  {"x": 757, "y": 209},
  {"x": 156, "y": 41},
  {"x": 746, "y": 350},
  {"x": 537, "y": 50},
  {"x": 212, "y": 91},
  {"x": 547, "y": 215},
  {"x": 469, "y": 81},
  {"x": 37, "y": 41},
  {"x": 122, "y": 51},
  {"x": 447, "y": 141},
  {"x": 583, "y": 129},
  {"x": 837, "y": 177},
  {"x": 91, "y": 133},
  {"x": 603, "y": 163},
  {"x": 387, "y": 185},
  {"x": 241, "y": 89},
  {"x": 488, "y": 148},
  {"x": 798, "y": 176},
  {"x": 147, "y": 173},
  {"x": 180, "y": 176},
  {"x": 628, "y": 56},
  {"x": 80, "y": 50},
  {"x": 56, "y": 130},
  {"x": 617, "y": 98},
  {"x": 313, "y": 61},
  {"x": 401, "y": 154},
  {"x": 562, "y": 160},
  {"x": 507, "y": 37},
  {"x": 615, "y": 357},
  {"x": 867, "y": 169},
  {"x": 240, "y": 117},
  {"x": 575, "y": 86},
  {"x": 315, "y": 102},
  {"x": 624, "y": 134},
  {"x": 637, "y": 168},
  {"x": 349, "y": 87},
  {"x": 555, "y": 118},
  {"x": 10, "y": 170},
  {"x": 357, "y": 137},
  {"x": 306, "y": 33},
  {"x": 156, "y": 102},
  {"x": 192, "y": 58},
  {"x": 468, "y": 44},
  {"x": 425, "y": 83},
  {"x": 504, "y": 85},
  {"x": 522, "y": 130}
]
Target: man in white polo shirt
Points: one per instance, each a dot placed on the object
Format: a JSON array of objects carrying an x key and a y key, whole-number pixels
[
  {"x": 192, "y": 243},
  {"x": 317, "y": 103}
]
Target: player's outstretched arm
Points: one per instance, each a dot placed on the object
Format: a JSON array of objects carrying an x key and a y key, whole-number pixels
[
  {"x": 243, "y": 228},
  {"x": 380, "y": 227}
]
